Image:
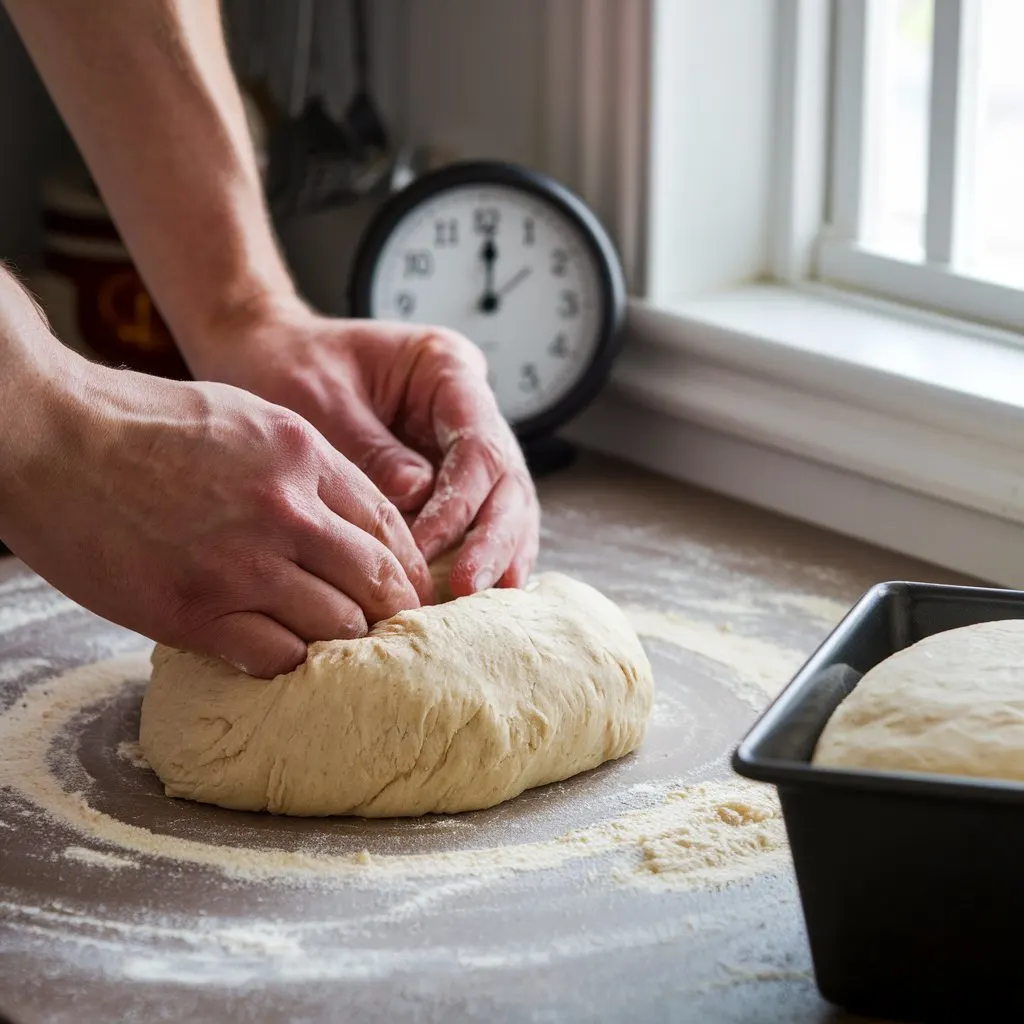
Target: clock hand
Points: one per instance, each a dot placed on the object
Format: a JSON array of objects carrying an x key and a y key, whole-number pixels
[
  {"x": 489, "y": 254},
  {"x": 513, "y": 281}
]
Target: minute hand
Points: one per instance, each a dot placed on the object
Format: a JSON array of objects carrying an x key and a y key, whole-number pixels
[{"x": 514, "y": 280}]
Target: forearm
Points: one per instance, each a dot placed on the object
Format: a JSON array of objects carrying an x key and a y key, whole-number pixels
[
  {"x": 146, "y": 88},
  {"x": 34, "y": 370}
]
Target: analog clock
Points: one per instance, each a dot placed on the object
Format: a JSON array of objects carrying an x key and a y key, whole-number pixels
[{"x": 515, "y": 262}]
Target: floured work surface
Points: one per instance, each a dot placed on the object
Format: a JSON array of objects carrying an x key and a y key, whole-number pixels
[{"x": 656, "y": 887}]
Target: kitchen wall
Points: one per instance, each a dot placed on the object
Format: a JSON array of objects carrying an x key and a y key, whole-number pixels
[{"x": 474, "y": 74}]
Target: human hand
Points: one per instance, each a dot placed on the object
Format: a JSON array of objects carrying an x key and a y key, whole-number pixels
[
  {"x": 205, "y": 518},
  {"x": 411, "y": 407}
]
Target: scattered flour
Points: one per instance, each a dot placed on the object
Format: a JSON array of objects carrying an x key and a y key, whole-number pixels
[
  {"x": 760, "y": 669},
  {"x": 29, "y": 728},
  {"x": 97, "y": 858},
  {"x": 824, "y": 609},
  {"x": 725, "y": 837},
  {"x": 12, "y": 669},
  {"x": 34, "y": 607},
  {"x": 130, "y": 751}
]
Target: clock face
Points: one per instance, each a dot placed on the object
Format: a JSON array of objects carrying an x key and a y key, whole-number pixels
[{"x": 510, "y": 271}]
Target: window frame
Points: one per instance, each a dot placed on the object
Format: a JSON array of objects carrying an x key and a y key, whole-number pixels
[
  {"x": 938, "y": 282},
  {"x": 747, "y": 373}
]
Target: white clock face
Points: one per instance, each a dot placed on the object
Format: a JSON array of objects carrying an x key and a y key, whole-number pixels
[{"x": 509, "y": 271}]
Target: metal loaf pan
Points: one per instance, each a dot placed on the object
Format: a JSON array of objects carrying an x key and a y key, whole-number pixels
[{"x": 912, "y": 885}]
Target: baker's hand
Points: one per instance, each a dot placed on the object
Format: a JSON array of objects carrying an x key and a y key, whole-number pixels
[
  {"x": 206, "y": 518},
  {"x": 411, "y": 407}
]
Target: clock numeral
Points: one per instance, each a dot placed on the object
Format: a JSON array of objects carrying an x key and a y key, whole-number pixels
[
  {"x": 529, "y": 379},
  {"x": 405, "y": 303},
  {"x": 419, "y": 264},
  {"x": 559, "y": 347},
  {"x": 529, "y": 231},
  {"x": 446, "y": 233},
  {"x": 569, "y": 306},
  {"x": 559, "y": 262},
  {"x": 485, "y": 220}
]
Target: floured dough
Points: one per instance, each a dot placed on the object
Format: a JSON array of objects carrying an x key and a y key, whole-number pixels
[
  {"x": 952, "y": 704},
  {"x": 446, "y": 708}
]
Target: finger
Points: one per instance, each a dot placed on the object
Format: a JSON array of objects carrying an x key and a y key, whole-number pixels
[
  {"x": 504, "y": 524},
  {"x": 404, "y": 476},
  {"x": 517, "y": 574},
  {"x": 356, "y": 564},
  {"x": 253, "y": 643},
  {"x": 477, "y": 449},
  {"x": 311, "y": 608},
  {"x": 470, "y": 470},
  {"x": 352, "y": 496}
]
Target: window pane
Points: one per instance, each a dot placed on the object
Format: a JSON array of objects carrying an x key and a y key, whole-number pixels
[
  {"x": 896, "y": 137},
  {"x": 998, "y": 242}
]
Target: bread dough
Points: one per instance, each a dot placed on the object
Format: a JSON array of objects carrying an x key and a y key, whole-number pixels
[
  {"x": 452, "y": 707},
  {"x": 951, "y": 704}
]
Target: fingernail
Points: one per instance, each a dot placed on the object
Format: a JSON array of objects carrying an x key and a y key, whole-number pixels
[
  {"x": 410, "y": 477},
  {"x": 484, "y": 579}
]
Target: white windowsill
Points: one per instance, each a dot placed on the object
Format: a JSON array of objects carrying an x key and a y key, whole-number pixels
[{"x": 904, "y": 430}]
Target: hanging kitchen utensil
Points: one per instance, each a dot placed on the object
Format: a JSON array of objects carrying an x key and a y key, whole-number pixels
[
  {"x": 362, "y": 119},
  {"x": 315, "y": 162}
]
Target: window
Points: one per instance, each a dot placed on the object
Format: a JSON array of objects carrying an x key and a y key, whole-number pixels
[{"x": 926, "y": 180}]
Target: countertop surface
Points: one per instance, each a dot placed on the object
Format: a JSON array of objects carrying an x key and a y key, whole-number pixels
[{"x": 578, "y": 901}]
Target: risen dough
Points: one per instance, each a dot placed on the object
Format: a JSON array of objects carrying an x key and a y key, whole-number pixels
[
  {"x": 951, "y": 704},
  {"x": 446, "y": 708}
]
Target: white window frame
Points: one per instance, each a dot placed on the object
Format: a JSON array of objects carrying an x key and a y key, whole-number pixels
[
  {"x": 937, "y": 282},
  {"x": 746, "y": 372}
]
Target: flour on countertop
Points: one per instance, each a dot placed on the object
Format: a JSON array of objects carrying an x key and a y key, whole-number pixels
[
  {"x": 759, "y": 669},
  {"x": 728, "y": 834},
  {"x": 97, "y": 858},
  {"x": 28, "y": 729},
  {"x": 35, "y": 607},
  {"x": 13, "y": 669},
  {"x": 131, "y": 751}
]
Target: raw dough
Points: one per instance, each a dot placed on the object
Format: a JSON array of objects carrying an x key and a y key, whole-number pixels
[
  {"x": 951, "y": 704},
  {"x": 447, "y": 708}
]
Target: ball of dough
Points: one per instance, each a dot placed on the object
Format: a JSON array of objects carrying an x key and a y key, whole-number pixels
[
  {"x": 453, "y": 707},
  {"x": 952, "y": 704}
]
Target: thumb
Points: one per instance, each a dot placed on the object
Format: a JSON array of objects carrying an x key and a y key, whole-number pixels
[{"x": 402, "y": 475}]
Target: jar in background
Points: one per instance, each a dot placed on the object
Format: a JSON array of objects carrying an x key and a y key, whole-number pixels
[{"x": 95, "y": 298}]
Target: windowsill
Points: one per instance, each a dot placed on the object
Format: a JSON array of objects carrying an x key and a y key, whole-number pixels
[{"x": 861, "y": 397}]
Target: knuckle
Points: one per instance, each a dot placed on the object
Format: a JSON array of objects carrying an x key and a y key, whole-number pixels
[
  {"x": 285, "y": 509},
  {"x": 351, "y": 623},
  {"x": 375, "y": 457},
  {"x": 385, "y": 520},
  {"x": 458, "y": 513},
  {"x": 452, "y": 347},
  {"x": 389, "y": 587},
  {"x": 195, "y": 617},
  {"x": 489, "y": 452},
  {"x": 291, "y": 434}
]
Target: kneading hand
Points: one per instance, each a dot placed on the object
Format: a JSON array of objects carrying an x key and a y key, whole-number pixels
[
  {"x": 205, "y": 517},
  {"x": 411, "y": 407}
]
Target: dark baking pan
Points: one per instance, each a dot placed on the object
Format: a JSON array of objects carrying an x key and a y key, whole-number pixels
[{"x": 912, "y": 885}]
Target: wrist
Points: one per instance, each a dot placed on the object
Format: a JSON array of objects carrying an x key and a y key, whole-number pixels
[
  {"x": 212, "y": 339},
  {"x": 40, "y": 376}
]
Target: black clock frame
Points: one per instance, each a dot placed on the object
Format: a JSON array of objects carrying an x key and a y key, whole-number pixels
[{"x": 492, "y": 172}]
